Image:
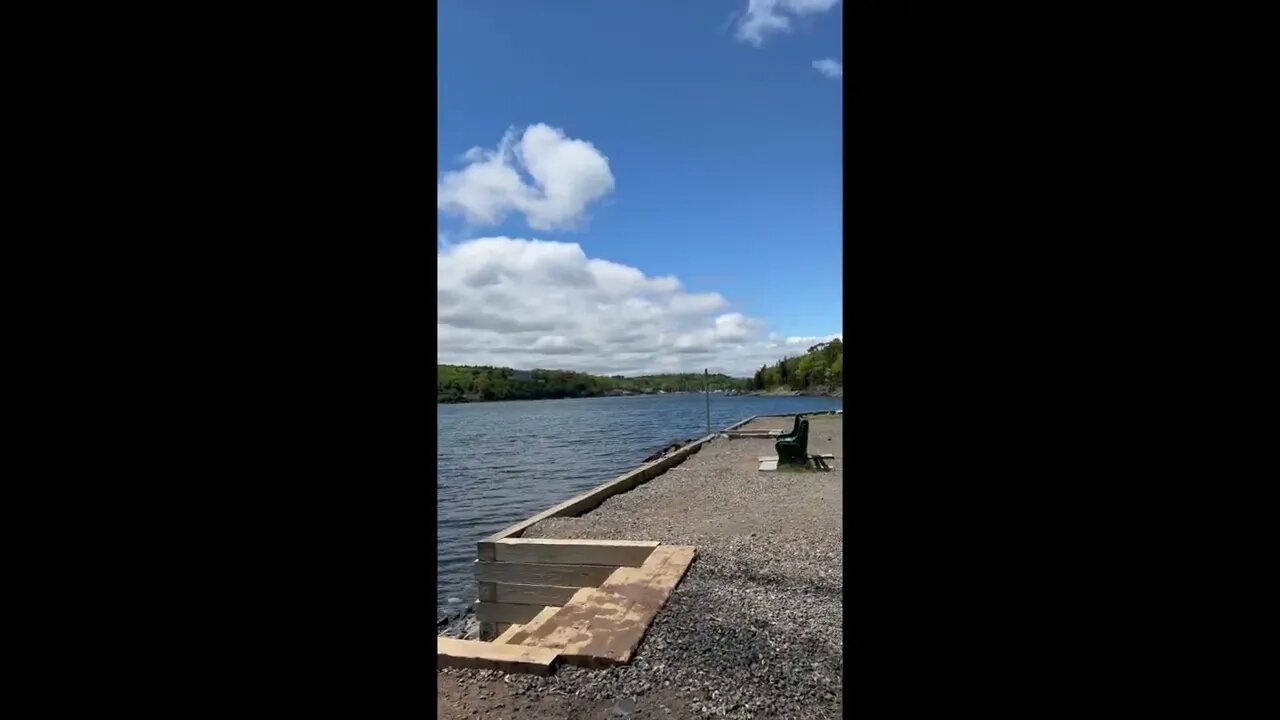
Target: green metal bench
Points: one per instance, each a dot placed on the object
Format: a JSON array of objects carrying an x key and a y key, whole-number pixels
[{"x": 793, "y": 450}]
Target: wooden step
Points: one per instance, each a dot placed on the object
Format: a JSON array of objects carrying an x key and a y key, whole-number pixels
[
  {"x": 451, "y": 652},
  {"x": 530, "y": 627},
  {"x": 511, "y": 630}
]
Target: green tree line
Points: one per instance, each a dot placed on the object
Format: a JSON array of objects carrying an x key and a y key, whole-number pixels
[{"x": 464, "y": 383}]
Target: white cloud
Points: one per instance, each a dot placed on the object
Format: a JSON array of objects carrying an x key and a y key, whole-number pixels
[
  {"x": 812, "y": 340},
  {"x": 567, "y": 175},
  {"x": 830, "y": 68},
  {"x": 541, "y": 304},
  {"x": 764, "y": 17}
]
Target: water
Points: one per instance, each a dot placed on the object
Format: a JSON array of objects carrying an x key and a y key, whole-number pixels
[{"x": 503, "y": 462}]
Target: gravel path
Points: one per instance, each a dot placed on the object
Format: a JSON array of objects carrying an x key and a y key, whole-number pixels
[{"x": 755, "y": 628}]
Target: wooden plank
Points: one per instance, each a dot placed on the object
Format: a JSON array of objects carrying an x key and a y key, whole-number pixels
[
  {"x": 451, "y": 652},
  {"x": 505, "y": 636},
  {"x": 604, "y": 625},
  {"x": 629, "y": 553},
  {"x": 653, "y": 582},
  {"x": 828, "y": 456},
  {"x": 487, "y": 592},
  {"x": 596, "y": 629},
  {"x": 543, "y": 573},
  {"x": 505, "y": 613},
  {"x": 740, "y": 423},
  {"x": 529, "y": 594},
  {"x": 537, "y": 622},
  {"x": 768, "y": 465},
  {"x": 592, "y": 498}
]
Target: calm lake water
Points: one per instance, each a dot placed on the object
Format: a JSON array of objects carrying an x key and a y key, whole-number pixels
[{"x": 502, "y": 462}]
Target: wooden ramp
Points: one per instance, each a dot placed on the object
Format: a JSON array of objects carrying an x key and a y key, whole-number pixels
[
  {"x": 597, "y": 626},
  {"x": 603, "y": 626}
]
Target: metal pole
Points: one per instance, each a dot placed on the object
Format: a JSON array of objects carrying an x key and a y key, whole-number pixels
[{"x": 707, "y": 392}]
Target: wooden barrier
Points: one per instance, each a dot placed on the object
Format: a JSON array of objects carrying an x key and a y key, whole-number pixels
[
  {"x": 535, "y": 573},
  {"x": 543, "y": 574},
  {"x": 631, "y": 553},
  {"x": 502, "y": 613},
  {"x": 515, "y": 594}
]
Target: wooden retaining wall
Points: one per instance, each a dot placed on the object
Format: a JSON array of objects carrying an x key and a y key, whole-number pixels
[{"x": 517, "y": 578}]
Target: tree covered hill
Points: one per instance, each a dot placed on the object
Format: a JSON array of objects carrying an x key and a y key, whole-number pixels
[
  {"x": 822, "y": 367},
  {"x": 464, "y": 383}
]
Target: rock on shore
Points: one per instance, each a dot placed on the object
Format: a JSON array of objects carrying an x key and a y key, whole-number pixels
[
  {"x": 463, "y": 625},
  {"x": 670, "y": 447}
]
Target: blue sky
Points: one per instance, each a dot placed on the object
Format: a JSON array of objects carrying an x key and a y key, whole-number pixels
[{"x": 700, "y": 141}]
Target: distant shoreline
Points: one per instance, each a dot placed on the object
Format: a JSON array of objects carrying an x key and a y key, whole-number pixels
[{"x": 838, "y": 394}]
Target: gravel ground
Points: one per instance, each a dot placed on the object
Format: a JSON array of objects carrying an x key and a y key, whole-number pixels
[{"x": 755, "y": 628}]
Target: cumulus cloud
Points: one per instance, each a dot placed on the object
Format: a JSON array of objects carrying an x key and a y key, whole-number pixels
[
  {"x": 565, "y": 176},
  {"x": 542, "y": 304},
  {"x": 830, "y": 68},
  {"x": 766, "y": 17}
]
